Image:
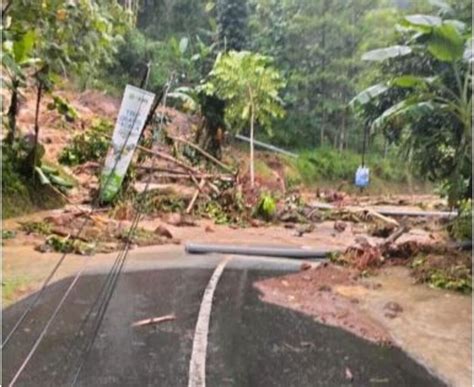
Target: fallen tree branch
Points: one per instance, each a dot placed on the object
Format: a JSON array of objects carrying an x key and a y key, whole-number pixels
[
  {"x": 169, "y": 158},
  {"x": 204, "y": 153}
]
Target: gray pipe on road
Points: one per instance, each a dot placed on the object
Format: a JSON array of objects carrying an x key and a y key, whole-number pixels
[{"x": 284, "y": 252}]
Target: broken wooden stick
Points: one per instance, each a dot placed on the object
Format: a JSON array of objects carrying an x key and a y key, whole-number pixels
[
  {"x": 195, "y": 196},
  {"x": 394, "y": 236},
  {"x": 154, "y": 320}
]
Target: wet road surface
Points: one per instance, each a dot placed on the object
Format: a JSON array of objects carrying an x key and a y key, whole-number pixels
[{"x": 250, "y": 343}]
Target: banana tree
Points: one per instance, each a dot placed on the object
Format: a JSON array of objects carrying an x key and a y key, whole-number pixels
[{"x": 446, "y": 92}]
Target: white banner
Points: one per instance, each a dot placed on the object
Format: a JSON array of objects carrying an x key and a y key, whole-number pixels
[{"x": 134, "y": 110}]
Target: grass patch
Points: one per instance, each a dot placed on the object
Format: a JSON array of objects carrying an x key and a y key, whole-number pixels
[
  {"x": 12, "y": 288},
  {"x": 330, "y": 165}
]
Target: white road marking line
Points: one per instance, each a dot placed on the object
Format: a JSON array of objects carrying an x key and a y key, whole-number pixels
[{"x": 197, "y": 365}]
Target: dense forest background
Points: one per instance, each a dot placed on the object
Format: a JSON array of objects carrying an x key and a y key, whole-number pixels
[
  {"x": 388, "y": 76},
  {"x": 317, "y": 45}
]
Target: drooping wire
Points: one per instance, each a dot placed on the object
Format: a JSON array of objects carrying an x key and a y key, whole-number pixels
[
  {"x": 94, "y": 204},
  {"x": 79, "y": 273},
  {"x": 116, "y": 270},
  {"x": 106, "y": 284}
]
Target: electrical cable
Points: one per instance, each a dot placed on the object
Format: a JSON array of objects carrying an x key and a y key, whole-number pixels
[
  {"x": 113, "y": 276},
  {"x": 95, "y": 203},
  {"x": 50, "y": 276}
]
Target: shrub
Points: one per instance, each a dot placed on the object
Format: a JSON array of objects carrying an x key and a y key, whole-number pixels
[
  {"x": 90, "y": 145},
  {"x": 461, "y": 227}
]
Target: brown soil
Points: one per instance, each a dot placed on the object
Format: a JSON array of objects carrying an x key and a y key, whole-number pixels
[{"x": 319, "y": 292}]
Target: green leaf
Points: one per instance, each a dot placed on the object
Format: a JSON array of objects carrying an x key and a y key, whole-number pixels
[
  {"x": 423, "y": 20},
  {"x": 459, "y": 25},
  {"x": 446, "y": 43},
  {"x": 42, "y": 176},
  {"x": 409, "y": 106},
  {"x": 59, "y": 181},
  {"x": 23, "y": 48},
  {"x": 368, "y": 94},
  {"x": 386, "y": 53},
  {"x": 183, "y": 45},
  {"x": 409, "y": 81},
  {"x": 210, "y": 6}
]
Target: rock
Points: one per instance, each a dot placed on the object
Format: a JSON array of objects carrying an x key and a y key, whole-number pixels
[
  {"x": 256, "y": 223},
  {"x": 164, "y": 232},
  {"x": 176, "y": 219},
  {"x": 339, "y": 226},
  {"x": 209, "y": 229},
  {"x": 304, "y": 229},
  {"x": 393, "y": 309},
  {"x": 324, "y": 288},
  {"x": 44, "y": 248}
]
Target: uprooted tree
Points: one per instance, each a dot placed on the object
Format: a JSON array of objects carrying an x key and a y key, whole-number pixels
[{"x": 249, "y": 85}]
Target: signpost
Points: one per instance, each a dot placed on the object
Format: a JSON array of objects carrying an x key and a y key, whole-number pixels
[{"x": 136, "y": 105}]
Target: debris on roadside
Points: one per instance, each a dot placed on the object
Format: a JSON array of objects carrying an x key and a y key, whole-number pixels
[
  {"x": 83, "y": 233},
  {"x": 154, "y": 320},
  {"x": 163, "y": 231}
]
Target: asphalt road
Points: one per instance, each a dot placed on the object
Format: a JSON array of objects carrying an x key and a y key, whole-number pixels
[{"x": 250, "y": 343}]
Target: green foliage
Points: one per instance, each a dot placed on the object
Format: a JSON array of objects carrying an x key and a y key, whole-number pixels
[
  {"x": 8, "y": 234},
  {"x": 249, "y": 85},
  {"x": 171, "y": 55},
  {"x": 215, "y": 211},
  {"x": 63, "y": 108},
  {"x": 429, "y": 87},
  {"x": 70, "y": 246},
  {"x": 461, "y": 227},
  {"x": 326, "y": 164},
  {"x": 266, "y": 207},
  {"x": 451, "y": 273},
  {"x": 232, "y": 24},
  {"x": 90, "y": 145},
  {"x": 48, "y": 39},
  {"x": 40, "y": 228}
]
